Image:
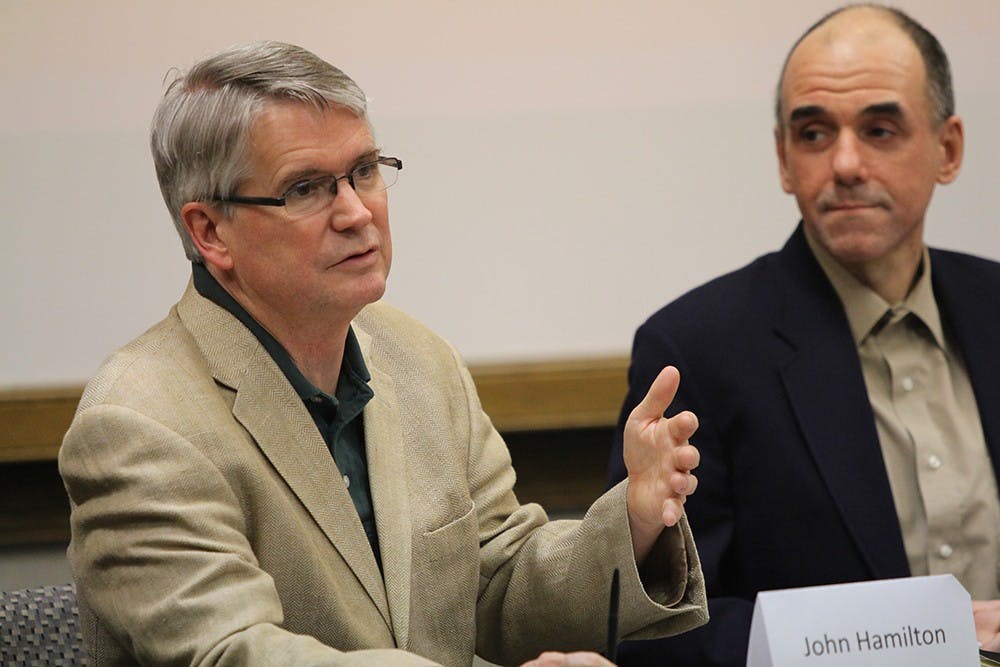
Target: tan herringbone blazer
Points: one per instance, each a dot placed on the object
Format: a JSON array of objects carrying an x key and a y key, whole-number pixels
[{"x": 210, "y": 524}]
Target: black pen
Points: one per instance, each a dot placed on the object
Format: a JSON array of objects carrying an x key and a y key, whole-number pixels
[{"x": 612, "y": 649}]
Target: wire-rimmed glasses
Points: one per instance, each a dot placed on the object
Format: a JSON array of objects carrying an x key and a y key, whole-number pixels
[{"x": 313, "y": 195}]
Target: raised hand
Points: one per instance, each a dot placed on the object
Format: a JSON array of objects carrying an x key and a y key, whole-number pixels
[{"x": 659, "y": 460}]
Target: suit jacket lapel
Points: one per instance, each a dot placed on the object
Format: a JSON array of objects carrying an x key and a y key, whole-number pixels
[
  {"x": 268, "y": 407},
  {"x": 826, "y": 389},
  {"x": 387, "y": 474},
  {"x": 970, "y": 308}
]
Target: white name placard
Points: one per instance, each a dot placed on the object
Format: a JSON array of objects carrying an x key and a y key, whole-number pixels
[{"x": 913, "y": 622}]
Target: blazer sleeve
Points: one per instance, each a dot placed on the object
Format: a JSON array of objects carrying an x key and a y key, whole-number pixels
[
  {"x": 544, "y": 585},
  {"x": 710, "y": 510},
  {"x": 161, "y": 555}
]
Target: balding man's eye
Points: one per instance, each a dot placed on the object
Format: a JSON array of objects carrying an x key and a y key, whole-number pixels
[
  {"x": 881, "y": 132},
  {"x": 811, "y": 135}
]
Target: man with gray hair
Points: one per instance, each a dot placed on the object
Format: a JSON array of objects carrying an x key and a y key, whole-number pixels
[
  {"x": 847, "y": 384},
  {"x": 285, "y": 472}
]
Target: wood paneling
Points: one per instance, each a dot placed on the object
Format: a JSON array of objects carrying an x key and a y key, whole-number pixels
[
  {"x": 33, "y": 421},
  {"x": 552, "y": 395}
]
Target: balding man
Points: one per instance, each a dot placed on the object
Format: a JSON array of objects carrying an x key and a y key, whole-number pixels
[{"x": 847, "y": 384}]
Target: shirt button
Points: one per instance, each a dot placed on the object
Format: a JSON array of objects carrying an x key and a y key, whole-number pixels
[
  {"x": 908, "y": 383},
  {"x": 933, "y": 461},
  {"x": 347, "y": 481},
  {"x": 945, "y": 551}
]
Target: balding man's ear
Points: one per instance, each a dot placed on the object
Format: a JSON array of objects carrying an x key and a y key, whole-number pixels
[
  {"x": 202, "y": 222},
  {"x": 951, "y": 143},
  {"x": 779, "y": 145}
]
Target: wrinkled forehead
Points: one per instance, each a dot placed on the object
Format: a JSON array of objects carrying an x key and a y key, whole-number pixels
[
  {"x": 283, "y": 121},
  {"x": 860, "y": 50},
  {"x": 293, "y": 136}
]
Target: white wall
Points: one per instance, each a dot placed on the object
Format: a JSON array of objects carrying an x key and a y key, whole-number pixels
[{"x": 570, "y": 166}]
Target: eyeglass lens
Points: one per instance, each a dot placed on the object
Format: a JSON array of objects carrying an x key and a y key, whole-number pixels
[{"x": 318, "y": 194}]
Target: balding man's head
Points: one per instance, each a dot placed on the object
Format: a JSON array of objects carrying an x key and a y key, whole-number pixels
[
  {"x": 861, "y": 144},
  {"x": 877, "y": 19}
]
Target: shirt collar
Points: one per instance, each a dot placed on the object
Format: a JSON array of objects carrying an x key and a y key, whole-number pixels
[
  {"x": 865, "y": 308},
  {"x": 353, "y": 368}
]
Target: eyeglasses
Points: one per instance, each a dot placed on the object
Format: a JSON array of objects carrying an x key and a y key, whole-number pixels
[{"x": 314, "y": 195}]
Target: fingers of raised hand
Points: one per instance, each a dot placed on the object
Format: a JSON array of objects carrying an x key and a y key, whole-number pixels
[
  {"x": 673, "y": 510},
  {"x": 682, "y": 426},
  {"x": 683, "y": 484},
  {"x": 686, "y": 457}
]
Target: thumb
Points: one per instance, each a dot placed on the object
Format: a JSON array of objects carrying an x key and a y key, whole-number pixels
[{"x": 661, "y": 393}]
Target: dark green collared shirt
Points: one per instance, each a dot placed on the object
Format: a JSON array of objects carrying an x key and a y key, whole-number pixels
[{"x": 338, "y": 417}]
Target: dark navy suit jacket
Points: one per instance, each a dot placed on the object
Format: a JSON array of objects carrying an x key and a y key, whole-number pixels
[{"x": 792, "y": 488}]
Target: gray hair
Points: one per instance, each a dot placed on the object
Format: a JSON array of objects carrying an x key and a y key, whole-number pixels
[
  {"x": 940, "y": 93},
  {"x": 200, "y": 132}
]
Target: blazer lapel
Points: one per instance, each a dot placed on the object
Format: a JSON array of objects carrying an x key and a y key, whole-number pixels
[
  {"x": 970, "y": 308},
  {"x": 826, "y": 390},
  {"x": 387, "y": 474},
  {"x": 268, "y": 407}
]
